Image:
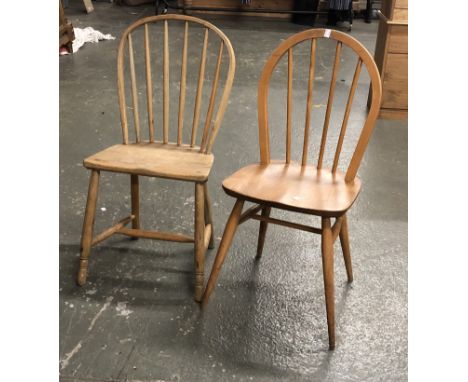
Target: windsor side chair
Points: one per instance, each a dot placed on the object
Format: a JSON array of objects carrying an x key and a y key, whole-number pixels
[
  {"x": 164, "y": 159},
  {"x": 301, "y": 187}
]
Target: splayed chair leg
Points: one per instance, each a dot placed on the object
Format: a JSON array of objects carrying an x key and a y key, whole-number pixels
[
  {"x": 224, "y": 246},
  {"x": 262, "y": 231},
  {"x": 344, "y": 240},
  {"x": 88, "y": 224},
  {"x": 328, "y": 278}
]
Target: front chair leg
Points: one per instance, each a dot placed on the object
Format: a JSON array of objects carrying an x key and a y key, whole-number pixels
[
  {"x": 328, "y": 273},
  {"x": 199, "y": 240},
  {"x": 88, "y": 224},
  {"x": 208, "y": 214},
  {"x": 344, "y": 240},
  {"x": 262, "y": 231},
  {"x": 223, "y": 249}
]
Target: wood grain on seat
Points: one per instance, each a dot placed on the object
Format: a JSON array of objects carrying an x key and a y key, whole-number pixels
[
  {"x": 154, "y": 159},
  {"x": 294, "y": 187}
]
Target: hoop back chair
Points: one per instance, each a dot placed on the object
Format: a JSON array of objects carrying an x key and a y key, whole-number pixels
[
  {"x": 163, "y": 158},
  {"x": 302, "y": 187}
]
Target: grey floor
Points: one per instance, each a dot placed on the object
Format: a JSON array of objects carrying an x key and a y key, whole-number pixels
[{"x": 135, "y": 319}]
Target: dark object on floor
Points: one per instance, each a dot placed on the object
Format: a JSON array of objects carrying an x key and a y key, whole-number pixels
[
  {"x": 170, "y": 160},
  {"x": 371, "y": 11},
  {"x": 320, "y": 191},
  {"x": 339, "y": 11},
  {"x": 66, "y": 34},
  {"x": 305, "y": 5}
]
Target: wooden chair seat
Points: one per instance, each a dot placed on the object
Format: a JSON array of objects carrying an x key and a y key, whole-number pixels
[
  {"x": 154, "y": 159},
  {"x": 294, "y": 187}
]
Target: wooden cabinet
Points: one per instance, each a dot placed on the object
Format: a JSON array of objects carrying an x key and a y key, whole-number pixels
[{"x": 391, "y": 57}]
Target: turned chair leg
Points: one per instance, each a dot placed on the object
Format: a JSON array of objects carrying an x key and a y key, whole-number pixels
[
  {"x": 344, "y": 240},
  {"x": 328, "y": 275},
  {"x": 262, "y": 231},
  {"x": 224, "y": 246},
  {"x": 208, "y": 214},
  {"x": 199, "y": 241},
  {"x": 88, "y": 224},
  {"x": 135, "y": 193}
]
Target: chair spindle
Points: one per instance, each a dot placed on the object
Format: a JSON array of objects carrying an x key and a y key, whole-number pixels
[
  {"x": 183, "y": 75},
  {"x": 331, "y": 93},
  {"x": 209, "y": 113},
  {"x": 201, "y": 78},
  {"x": 346, "y": 115},
  {"x": 136, "y": 116},
  {"x": 305, "y": 149},
  {"x": 166, "y": 84},
  {"x": 149, "y": 86},
  {"x": 289, "y": 107}
]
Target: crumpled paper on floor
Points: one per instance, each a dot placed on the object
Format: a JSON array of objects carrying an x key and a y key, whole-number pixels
[{"x": 88, "y": 34}]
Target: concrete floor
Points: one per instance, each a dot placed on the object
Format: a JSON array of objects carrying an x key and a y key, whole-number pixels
[{"x": 135, "y": 320}]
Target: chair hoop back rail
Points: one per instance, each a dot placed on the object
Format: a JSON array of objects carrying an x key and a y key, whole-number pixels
[
  {"x": 300, "y": 187},
  {"x": 163, "y": 159},
  {"x": 286, "y": 47},
  {"x": 213, "y": 119}
]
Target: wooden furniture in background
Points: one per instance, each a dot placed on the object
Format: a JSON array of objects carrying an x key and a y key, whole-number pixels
[
  {"x": 315, "y": 190},
  {"x": 172, "y": 160},
  {"x": 391, "y": 57},
  {"x": 66, "y": 34}
]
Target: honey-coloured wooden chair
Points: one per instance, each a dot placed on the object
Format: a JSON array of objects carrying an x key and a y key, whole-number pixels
[
  {"x": 163, "y": 158},
  {"x": 301, "y": 187}
]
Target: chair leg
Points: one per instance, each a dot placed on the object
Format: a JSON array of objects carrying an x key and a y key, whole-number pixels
[
  {"x": 208, "y": 214},
  {"x": 262, "y": 231},
  {"x": 199, "y": 240},
  {"x": 224, "y": 246},
  {"x": 88, "y": 224},
  {"x": 344, "y": 240},
  {"x": 327, "y": 263},
  {"x": 135, "y": 193}
]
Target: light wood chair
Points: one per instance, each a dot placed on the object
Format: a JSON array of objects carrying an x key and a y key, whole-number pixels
[
  {"x": 301, "y": 187},
  {"x": 164, "y": 159}
]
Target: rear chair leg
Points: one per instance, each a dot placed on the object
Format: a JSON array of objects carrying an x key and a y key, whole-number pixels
[
  {"x": 208, "y": 214},
  {"x": 199, "y": 240},
  {"x": 344, "y": 240},
  {"x": 88, "y": 224},
  {"x": 327, "y": 263},
  {"x": 262, "y": 231},
  {"x": 223, "y": 249},
  {"x": 135, "y": 193}
]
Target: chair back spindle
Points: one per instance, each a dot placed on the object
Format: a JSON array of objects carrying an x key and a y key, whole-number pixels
[
  {"x": 289, "y": 107},
  {"x": 201, "y": 78},
  {"x": 149, "y": 86},
  {"x": 183, "y": 75},
  {"x": 209, "y": 113},
  {"x": 364, "y": 57},
  {"x": 136, "y": 114},
  {"x": 331, "y": 94},
  {"x": 166, "y": 84},
  {"x": 221, "y": 80},
  {"x": 310, "y": 86}
]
